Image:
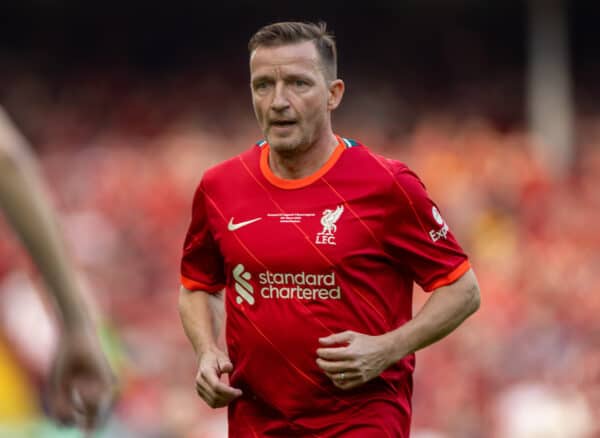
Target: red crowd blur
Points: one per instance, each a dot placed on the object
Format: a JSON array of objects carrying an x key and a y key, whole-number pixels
[{"x": 123, "y": 159}]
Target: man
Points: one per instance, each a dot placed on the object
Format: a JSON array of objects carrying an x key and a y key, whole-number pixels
[
  {"x": 317, "y": 242},
  {"x": 83, "y": 384}
]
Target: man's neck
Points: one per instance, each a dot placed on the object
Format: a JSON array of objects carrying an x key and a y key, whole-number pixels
[{"x": 304, "y": 162}]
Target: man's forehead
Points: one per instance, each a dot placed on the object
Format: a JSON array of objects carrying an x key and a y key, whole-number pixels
[{"x": 290, "y": 55}]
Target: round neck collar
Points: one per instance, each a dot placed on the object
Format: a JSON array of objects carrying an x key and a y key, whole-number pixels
[{"x": 290, "y": 184}]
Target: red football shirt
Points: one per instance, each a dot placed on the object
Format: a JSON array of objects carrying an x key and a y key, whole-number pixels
[{"x": 302, "y": 259}]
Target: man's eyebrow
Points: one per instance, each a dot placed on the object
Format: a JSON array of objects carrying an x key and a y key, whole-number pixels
[
  {"x": 261, "y": 78},
  {"x": 294, "y": 76}
]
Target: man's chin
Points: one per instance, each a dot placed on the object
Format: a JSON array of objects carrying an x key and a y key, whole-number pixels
[{"x": 282, "y": 145}]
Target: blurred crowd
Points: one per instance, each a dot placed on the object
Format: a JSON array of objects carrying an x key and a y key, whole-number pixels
[{"x": 122, "y": 157}]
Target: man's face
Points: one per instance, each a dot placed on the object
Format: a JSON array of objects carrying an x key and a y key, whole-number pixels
[{"x": 290, "y": 94}]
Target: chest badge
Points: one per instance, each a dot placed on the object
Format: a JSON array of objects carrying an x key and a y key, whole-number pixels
[{"x": 328, "y": 220}]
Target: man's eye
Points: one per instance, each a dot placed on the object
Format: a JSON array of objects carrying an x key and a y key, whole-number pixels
[
  {"x": 261, "y": 86},
  {"x": 300, "y": 83}
]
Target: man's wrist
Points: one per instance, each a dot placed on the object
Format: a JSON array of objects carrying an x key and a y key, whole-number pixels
[
  {"x": 80, "y": 334},
  {"x": 209, "y": 348},
  {"x": 396, "y": 345}
]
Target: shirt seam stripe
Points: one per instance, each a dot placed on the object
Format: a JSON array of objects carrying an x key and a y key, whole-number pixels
[
  {"x": 323, "y": 256},
  {"x": 408, "y": 198},
  {"x": 347, "y": 205}
]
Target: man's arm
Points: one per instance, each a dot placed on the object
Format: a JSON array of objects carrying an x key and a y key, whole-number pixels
[
  {"x": 83, "y": 378},
  {"x": 363, "y": 357},
  {"x": 28, "y": 210},
  {"x": 202, "y": 316}
]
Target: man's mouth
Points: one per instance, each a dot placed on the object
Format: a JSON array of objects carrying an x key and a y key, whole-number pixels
[{"x": 282, "y": 122}]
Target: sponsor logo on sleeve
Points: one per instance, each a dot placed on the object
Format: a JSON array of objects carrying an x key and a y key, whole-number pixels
[{"x": 442, "y": 232}]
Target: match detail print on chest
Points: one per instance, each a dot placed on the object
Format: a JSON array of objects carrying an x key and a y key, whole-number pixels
[{"x": 321, "y": 227}]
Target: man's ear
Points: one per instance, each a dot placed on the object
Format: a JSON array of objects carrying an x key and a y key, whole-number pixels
[{"x": 336, "y": 92}]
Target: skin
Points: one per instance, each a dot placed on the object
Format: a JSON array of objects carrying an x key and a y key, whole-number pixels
[
  {"x": 351, "y": 359},
  {"x": 82, "y": 380},
  {"x": 202, "y": 317},
  {"x": 289, "y": 83}
]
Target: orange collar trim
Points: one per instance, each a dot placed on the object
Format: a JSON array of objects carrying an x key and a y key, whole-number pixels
[{"x": 290, "y": 184}]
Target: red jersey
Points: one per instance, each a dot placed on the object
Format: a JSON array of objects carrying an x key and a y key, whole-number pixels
[{"x": 303, "y": 259}]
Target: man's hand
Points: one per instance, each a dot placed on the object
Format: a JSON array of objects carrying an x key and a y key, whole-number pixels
[
  {"x": 351, "y": 359},
  {"x": 83, "y": 385},
  {"x": 212, "y": 365}
]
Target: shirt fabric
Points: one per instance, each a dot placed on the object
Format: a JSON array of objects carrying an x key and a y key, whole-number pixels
[{"x": 303, "y": 259}]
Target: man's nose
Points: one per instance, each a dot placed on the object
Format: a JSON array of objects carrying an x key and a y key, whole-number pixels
[{"x": 280, "y": 101}]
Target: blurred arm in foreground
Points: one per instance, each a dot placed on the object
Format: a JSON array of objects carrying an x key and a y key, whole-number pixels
[{"x": 83, "y": 383}]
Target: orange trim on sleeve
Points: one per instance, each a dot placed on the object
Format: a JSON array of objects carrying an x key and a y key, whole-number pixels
[
  {"x": 451, "y": 277},
  {"x": 193, "y": 285},
  {"x": 290, "y": 184}
]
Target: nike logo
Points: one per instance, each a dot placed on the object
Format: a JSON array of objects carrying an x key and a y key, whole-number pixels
[{"x": 232, "y": 227}]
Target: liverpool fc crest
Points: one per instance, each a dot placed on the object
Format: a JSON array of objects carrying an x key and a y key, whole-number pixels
[{"x": 329, "y": 219}]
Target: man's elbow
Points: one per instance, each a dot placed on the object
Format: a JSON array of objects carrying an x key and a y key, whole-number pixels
[
  {"x": 473, "y": 299},
  {"x": 469, "y": 286},
  {"x": 188, "y": 297},
  {"x": 183, "y": 301}
]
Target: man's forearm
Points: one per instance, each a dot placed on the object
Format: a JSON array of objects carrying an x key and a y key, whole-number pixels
[
  {"x": 444, "y": 311},
  {"x": 29, "y": 211},
  {"x": 201, "y": 315}
]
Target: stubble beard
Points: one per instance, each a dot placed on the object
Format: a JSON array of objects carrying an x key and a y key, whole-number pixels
[
  {"x": 288, "y": 146},
  {"x": 284, "y": 146},
  {"x": 300, "y": 141}
]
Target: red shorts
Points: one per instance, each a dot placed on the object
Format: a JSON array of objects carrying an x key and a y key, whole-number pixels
[{"x": 369, "y": 419}]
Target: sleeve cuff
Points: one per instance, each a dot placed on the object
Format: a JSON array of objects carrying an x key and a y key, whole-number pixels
[
  {"x": 449, "y": 278},
  {"x": 193, "y": 285}
]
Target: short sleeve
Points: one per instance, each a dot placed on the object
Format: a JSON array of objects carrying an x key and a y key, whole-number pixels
[
  {"x": 202, "y": 262},
  {"x": 418, "y": 238}
]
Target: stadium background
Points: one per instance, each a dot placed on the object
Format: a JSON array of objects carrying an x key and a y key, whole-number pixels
[{"x": 126, "y": 103}]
